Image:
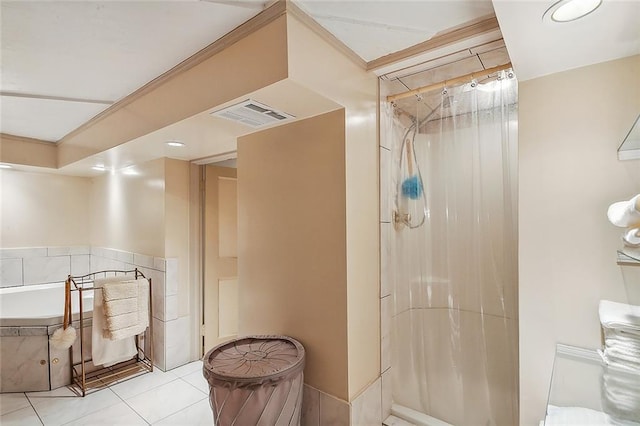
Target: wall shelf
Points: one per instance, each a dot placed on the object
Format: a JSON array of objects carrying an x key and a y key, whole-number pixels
[
  {"x": 585, "y": 390},
  {"x": 630, "y": 148},
  {"x": 628, "y": 259},
  {"x": 629, "y": 264}
]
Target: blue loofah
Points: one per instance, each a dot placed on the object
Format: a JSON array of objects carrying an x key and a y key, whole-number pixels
[{"x": 412, "y": 187}]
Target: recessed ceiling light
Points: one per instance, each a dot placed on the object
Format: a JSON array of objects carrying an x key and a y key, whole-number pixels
[
  {"x": 175, "y": 143},
  {"x": 5, "y": 166},
  {"x": 99, "y": 167},
  {"x": 570, "y": 10},
  {"x": 130, "y": 171}
]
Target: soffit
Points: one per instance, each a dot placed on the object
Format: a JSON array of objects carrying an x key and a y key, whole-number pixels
[{"x": 99, "y": 51}]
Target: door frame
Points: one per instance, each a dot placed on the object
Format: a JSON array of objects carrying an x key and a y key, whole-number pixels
[{"x": 197, "y": 292}]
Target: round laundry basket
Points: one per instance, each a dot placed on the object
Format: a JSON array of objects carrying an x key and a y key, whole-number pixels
[{"x": 256, "y": 380}]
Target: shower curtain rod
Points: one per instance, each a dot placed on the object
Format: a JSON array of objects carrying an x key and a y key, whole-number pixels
[{"x": 445, "y": 83}]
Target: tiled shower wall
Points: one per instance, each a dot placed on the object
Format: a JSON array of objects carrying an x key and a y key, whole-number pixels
[
  {"x": 386, "y": 273},
  {"x": 41, "y": 265}
]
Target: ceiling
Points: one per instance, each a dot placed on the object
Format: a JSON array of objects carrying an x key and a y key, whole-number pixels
[
  {"x": 539, "y": 48},
  {"x": 95, "y": 51},
  {"x": 63, "y": 62},
  {"x": 376, "y": 28}
]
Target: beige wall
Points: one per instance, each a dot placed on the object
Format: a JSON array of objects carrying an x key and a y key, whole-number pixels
[
  {"x": 176, "y": 216},
  {"x": 571, "y": 124},
  {"x": 19, "y": 150},
  {"x": 316, "y": 64},
  {"x": 39, "y": 210},
  {"x": 292, "y": 242},
  {"x": 115, "y": 210},
  {"x": 128, "y": 211},
  {"x": 195, "y": 261}
]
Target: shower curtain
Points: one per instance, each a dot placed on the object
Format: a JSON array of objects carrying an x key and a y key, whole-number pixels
[{"x": 455, "y": 318}]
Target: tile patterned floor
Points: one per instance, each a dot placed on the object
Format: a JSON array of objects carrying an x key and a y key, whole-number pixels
[{"x": 178, "y": 397}]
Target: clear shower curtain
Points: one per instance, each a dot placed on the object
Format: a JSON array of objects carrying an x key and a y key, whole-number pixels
[{"x": 455, "y": 318}]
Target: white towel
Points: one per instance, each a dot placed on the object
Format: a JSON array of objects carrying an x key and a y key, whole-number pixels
[
  {"x": 106, "y": 352},
  {"x": 621, "y": 395},
  {"x": 631, "y": 237},
  {"x": 117, "y": 322},
  {"x": 120, "y": 307},
  {"x": 133, "y": 323},
  {"x": 112, "y": 291},
  {"x": 575, "y": 416},
  {"x": 624, "y": 213},
  {"x": 619, "y": 316},
  {"x": 623, "y": 343}
]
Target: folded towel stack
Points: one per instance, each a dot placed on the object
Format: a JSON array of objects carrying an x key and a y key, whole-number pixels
[
  {"x": 621, "y": 378},
  {"x": 621, "y": 325},
  {"x": 620, "y": 392},
  {"x": 126, "y": 308}
]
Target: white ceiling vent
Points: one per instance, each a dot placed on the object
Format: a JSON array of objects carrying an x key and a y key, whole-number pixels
[{"x": 252, "y": 114}]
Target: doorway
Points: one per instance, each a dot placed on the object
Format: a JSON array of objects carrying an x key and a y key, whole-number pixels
[{"x": 220, "y": 258}]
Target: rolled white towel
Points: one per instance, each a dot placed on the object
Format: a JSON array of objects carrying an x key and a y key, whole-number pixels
[
  {"x": 625, "y": 213},
  {"x": 621, "y": 316},
  {"x": 631, "y": 237}
]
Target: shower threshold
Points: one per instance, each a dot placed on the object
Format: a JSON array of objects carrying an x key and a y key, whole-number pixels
[{"x": 404, "y": 416}]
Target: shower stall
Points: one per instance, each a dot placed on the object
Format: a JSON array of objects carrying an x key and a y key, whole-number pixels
[{"x": 451, "y": 251}]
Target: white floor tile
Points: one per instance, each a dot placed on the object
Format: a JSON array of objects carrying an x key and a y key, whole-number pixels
[
  {"x": 119, "y": 414},
  {"x": 188, "y": 368},
  {"x": 22, "y": 417},
  {"x": 197, "y": 379},
  {"x": 165, "y": 400},
  {"x": 60, "y": 392},
  {"x": 198, "y": 414},
  {"x": 12, "y": 401},
  {"x": 57, "y": 407},
  {"x": 142, "y": 383}
]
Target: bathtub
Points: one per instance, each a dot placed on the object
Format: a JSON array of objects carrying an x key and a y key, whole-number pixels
[
  {"x": 28, "y": 317},
  {"x": 39, "y": 305}
]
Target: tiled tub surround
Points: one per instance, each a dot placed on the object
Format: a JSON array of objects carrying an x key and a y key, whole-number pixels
[
  {"x": 41, "y": 265},
  {"x": 29, "y": 363},
  {"x": 27, "y": 334}
]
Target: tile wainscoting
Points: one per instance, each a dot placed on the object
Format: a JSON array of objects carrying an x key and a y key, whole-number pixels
[
  {"x": 171, "y": 333},
  {"x": 319, "y": 408},
  {"x": 42, "y": 265}
]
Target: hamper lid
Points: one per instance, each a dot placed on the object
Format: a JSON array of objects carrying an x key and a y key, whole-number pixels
[{"x": 253, "y": 360}]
